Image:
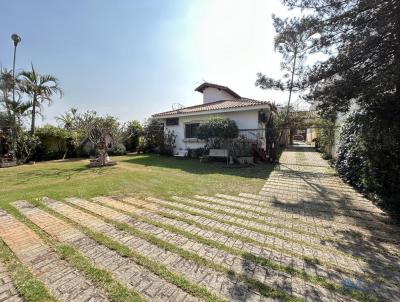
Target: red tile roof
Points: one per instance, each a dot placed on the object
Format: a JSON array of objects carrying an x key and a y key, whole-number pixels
[{"x": 218, "y": 105}]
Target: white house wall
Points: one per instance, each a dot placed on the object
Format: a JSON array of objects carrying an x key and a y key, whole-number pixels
[
  {"x": 211, "y": 94},
  {"x": 243, "y": 119}
]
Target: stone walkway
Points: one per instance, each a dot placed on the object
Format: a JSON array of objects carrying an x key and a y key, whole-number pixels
[
  {"x": 8, "y": 292},
  {"x": 126, "y": 271},
  {"x": 63, "y": 281},
  {"x": 306, "y": 236}
]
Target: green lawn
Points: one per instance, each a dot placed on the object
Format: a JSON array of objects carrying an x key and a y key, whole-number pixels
[{"x": 144, "y": 175}]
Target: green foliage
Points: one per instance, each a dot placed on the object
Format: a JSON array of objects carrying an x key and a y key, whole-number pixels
[
  {"x": 362, "y": 41},
  {"x": 217, "y": 131},
  {"x": 118, "y": 150},
  {"x": 39, "y": 88},
  {"x": 326, "y": 136},
  {"x": 242, "y": 147},
  {"x": 369, "y": 157},
  {"x": 153, "y": 135},
  {"x": 293, "y": 39},
  {"x": 26, "y": 145},
  {"x": 196, "y": 153},
  {"x": 132, "y": 135},
  {"x": 54, "y": 142},
  {"x": 168, "y": 144}
]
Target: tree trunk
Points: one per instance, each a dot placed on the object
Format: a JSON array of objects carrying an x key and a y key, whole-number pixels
[
  {"x": 286, "y": 120},
  {"x": 33, "y": 115},
  {"x": 291, "y": 82}
]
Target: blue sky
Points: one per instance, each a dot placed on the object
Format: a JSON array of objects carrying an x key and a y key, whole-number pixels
[{"x": 134, "y": 58}]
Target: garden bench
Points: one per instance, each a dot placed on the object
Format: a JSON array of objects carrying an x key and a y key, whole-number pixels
[
  {"x": 181, "y": 153},
  {"x": 219, "y": 153},
  {"x": 7, "y": 161}
]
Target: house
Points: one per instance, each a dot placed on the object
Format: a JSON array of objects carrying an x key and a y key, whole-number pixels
[{"x": 250, "y": 116}]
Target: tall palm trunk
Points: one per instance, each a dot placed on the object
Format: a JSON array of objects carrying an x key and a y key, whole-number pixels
[{"x": 33, "y": 114}]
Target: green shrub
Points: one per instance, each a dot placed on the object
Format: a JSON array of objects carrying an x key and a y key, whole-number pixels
[
  {"x": 132, "y": 135},
  {"x": 217, "y": 131},
  {"x": 326, "y": 138},
  {"x": 153, "y": 135},
  {"x": 369, "y": 157},
  {"x": 118, "y": 150},
  {"x": 167, "y": 146},
  {"x": 242, "y": 147},
  {"x": 53, "y": 143},
  {"x": 196, "y": 153}
]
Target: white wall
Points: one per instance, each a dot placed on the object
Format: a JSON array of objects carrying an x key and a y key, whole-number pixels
[
  {"x": 243, "y": 119},
  {"x": 211, "y": 94}
]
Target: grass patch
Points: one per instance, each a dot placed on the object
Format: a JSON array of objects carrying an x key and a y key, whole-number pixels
[
  {"x": 143, "y": 175},
  {"x": 29, "y": 288}
]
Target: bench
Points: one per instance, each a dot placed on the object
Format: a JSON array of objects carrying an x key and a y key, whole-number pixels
[
  {"x": 181, "y": 153},
  {"x": 7, "y": 161},
  {"x": 221, "y": 153}
]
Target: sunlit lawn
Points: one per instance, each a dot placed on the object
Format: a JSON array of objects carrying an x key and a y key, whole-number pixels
[{"x": 144, "y": 175}]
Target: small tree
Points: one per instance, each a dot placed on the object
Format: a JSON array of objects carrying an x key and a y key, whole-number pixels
[
  {"x": 217, "y": 131},
  {"x": 132, "y": 134},
  {"x": 101, "y": 132},
  {"x": 26, "y": 145},
  {"x": 67, "y": 121},
  {"x": 153, "y": 135},
  {"x": 293, "y": 40}
]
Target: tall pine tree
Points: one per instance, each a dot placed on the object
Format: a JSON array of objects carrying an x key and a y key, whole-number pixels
[{"x": 362, "y": 38}]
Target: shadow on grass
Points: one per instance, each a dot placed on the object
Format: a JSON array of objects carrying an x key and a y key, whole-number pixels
[
  {"x": 260, "y": 171},
  {"x": 25, "y": 177}
]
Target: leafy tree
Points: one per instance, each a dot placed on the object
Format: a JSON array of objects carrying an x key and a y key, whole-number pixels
[
  {"x": 40, "y": 88},
  {"x": 68, "y": 120},
  {"x": 14, "y": 110},
  {"x": 54, "y": 142},
  {"x": 103, "y": 133},
  {"x": 293, "y": 40},
  {"x": 26, "y": 145},
  {"x": 153, "y": 135},
  {"x": 217, "y": 131},
  {"x": 362, "y": 39},
  {"x": 132, "y": 135}
]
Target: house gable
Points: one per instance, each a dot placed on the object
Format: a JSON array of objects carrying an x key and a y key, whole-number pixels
[{"x": 213, "y": 92}]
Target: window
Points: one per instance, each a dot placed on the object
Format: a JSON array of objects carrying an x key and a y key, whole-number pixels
[
  {"x": 261, "y": 117},
  {"x": 191, "y": 130},
  {"x": 172, "y": 121}
]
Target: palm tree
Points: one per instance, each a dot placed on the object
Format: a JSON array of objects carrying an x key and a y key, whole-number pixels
[
  {"x": 40, "y": 88},
  {"x": 67, "y": 119}
]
